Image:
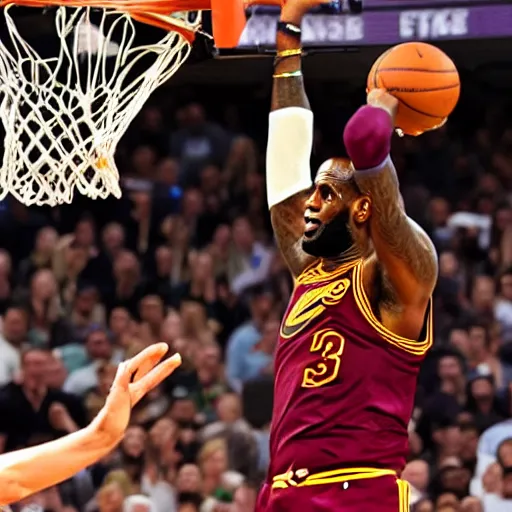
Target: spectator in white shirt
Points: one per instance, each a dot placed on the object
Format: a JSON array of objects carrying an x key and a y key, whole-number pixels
[
  {"x": 497, "y": 481},
  {"x": 503, "y": 304},
  {"x": 249, "y": 262},
  {"x": 490, "y": 442},
  {"x": 14, "y": 335}
]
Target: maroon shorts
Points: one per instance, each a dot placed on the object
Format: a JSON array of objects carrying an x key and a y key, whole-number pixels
[{"x": 383, "y": 494}]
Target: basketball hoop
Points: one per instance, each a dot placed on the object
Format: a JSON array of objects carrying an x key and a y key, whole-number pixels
[{"x": 65, "y": 114}]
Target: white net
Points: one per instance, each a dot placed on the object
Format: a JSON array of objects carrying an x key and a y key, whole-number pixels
[{"x": 65, "y": 114}]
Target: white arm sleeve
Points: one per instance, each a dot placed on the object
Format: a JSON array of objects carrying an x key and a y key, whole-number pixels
[{"x": 290, "y": 141}]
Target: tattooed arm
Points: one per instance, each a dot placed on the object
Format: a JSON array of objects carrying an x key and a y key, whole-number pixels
[
  {"x": 289, "y": 144},
  {"x": 405, "y": 257},
  {"x": 403, "y": 249}
]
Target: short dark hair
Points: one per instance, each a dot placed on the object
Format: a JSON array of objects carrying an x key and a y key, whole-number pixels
[
  {"x": 445, "y": 421},
  {"x": 241, "y": 217},
  {"x": 458, "y": 326},
  {"x": 452, "y": 352},
  {"x": 83, "y": 285},
  {"x": 86, "y": 217},
  {"x": 192, "y": 498},
  {"x": 94, "y": 329},
  {"x": 468, "y": 426},
  {"x": 506, "y": 271},
  {"x": 29, "y": 350},
  {"x": 19, "y": 308},
  {"x": 479, "y": 324},
  {"x": 258, "y": 290}
]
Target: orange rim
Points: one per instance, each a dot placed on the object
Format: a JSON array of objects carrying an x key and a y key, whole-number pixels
[
  {"x": 151, "y": 12},
  {"x": 228, "y": 16},
  {"x": 229, "y": 20}
]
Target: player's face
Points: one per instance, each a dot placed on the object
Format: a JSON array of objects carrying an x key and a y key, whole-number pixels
[{"x": 327, "y": 218}]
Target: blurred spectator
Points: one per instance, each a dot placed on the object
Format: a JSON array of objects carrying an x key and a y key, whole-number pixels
[
  {"x": 197, "y": 142},
  {"x": 503, "y": 306},
  {"x": 244, "y": 499},
  {"x": 85, "y": 311},
  {"x": 41, "y": 256},
  {"x": 249, "y": 263},
  {"x": 161, "y": 282},
  {"x": 138, "y": 503},
  {"x": 259, "y": 359},
  {"x": 95, "y": 399},
  {"x": 14, "y": 336},
  {"x": 30, "y": 410},
  {"x": 98, "y": 348},
  {"x": 99, "y": 269},
  {"x": 152, "y": 315},
  {"x": 213, "y": 462},
  {"x": 47, "y": 325},
  {"x": 247, "y": 335},
  {"x": 416, "y": 472},
  {"x": 5, "y": 279},
  {"x": 128, "y": 288},
  {"x": 187, "y": 257}
]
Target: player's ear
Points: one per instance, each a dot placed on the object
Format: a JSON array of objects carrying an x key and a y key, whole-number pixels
[{"x": 361, "y": 209}]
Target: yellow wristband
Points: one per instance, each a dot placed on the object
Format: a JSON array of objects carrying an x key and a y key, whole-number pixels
[
  {"x": 289, "y": 53},
  {"x": 288, "y": 75}
]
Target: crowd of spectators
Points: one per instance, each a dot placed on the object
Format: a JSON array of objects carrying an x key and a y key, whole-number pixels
[{"x": 187, "y": 257}]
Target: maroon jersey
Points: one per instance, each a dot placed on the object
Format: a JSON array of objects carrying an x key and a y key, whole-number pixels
[{"x": 345, "y": 385}]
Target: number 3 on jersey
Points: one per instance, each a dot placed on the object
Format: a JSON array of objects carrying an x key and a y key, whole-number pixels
[{"x": 329, "y": 345}]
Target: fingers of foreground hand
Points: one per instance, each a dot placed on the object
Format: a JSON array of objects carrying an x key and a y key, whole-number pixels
[
  {"x": 143, "y": 362},
  {"x": 147, "y": 365},
  {"x": 122, "y": 378},
  {"x": 154, "y": 378}
]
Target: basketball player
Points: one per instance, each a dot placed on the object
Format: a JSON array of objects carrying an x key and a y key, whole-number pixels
[
  {"x": 27, "y": 471},
  {"x": 358, "y": 323}
]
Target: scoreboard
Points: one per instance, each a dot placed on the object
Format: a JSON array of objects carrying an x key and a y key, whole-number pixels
[{"x": 386, "y": 22}]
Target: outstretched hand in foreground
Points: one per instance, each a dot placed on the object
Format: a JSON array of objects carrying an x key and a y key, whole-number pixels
[
  {"x": 134, "y": 379},
  {"x": 25, "y": 472}
]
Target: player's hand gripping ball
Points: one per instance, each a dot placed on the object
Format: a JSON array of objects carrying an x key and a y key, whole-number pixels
[{"x": 423, "y": 79}]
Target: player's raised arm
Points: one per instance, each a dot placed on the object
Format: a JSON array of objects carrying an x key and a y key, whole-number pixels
[
  {"x": 405, "y": 253},
  {"x": 27, "y": 471},
  {"x": 290, "y": 139}
]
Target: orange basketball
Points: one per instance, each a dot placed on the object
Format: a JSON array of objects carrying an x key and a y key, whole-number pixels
[{"x": 424, "y": 79}]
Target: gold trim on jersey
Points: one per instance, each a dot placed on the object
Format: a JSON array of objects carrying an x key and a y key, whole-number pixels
[
  {"x": 404, "y": 496},
  {"x": 302, "y": 478},
  {"x": 315, "y": 272},
  {"x": 311, "y": 304},
  {"x": 418, "y": 348}
]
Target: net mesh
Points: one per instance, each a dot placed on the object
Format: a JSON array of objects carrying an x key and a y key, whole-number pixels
[{"x": 65, "y": 114}]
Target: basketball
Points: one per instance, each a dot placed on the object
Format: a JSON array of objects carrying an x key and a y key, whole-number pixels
[{"x": 425, "y": 81}]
